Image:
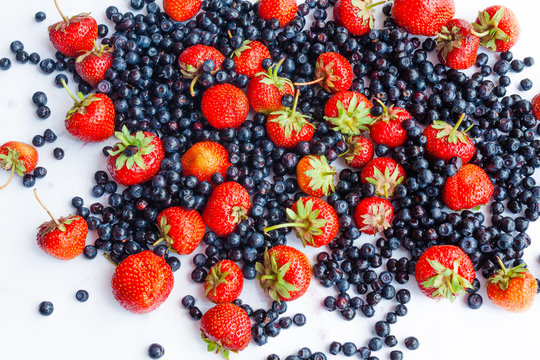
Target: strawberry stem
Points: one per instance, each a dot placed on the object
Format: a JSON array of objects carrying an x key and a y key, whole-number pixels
[
  {"x": 295, "y": 101},
  {"x": 482, "y": 34},
  {"x": 455, "y": 128},
  {"x": 47, "y": 210},
  {"x": 192, "y": 85},
  {"x": 304, "y": 225},
  {"x": 10, "y": 178},
  {"x": 70, "y": 93},
  {"x": 60, "y": 11},
  {"x": 376, "y": 4},
  {"x": 310, "y": 82}
]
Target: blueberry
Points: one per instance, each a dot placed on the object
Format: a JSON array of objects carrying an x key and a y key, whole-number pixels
[
  {"x": 474, "y": 301},
  {"x": 195, "y": 313},
  {"x": 403, "y": 296},
  {"x": 46, "y": 308},
  {"x": 16, "y": 46},
  {"x": 39, "y": 98},
  {"x": 90, "y": 251},
  {"x": 34, "y": 58},
  {"x": 38, "y": 141},
  {"x": 49, "y": 136},
  {"x": 299, "y": 319},
  {"x": 29, "y": 180},
  {"x": 156, "y": 351},
  {"x": 47, "y": 66},
  {"x": 411, "y": 343},
  {"x": 40, "y": 16},
  {"x": 21, "y": 57},
  {"x": 526, "y": 84},
  {"x": 81, "y": 295},
  {"x": 5, "y": 63},
  {"x": 43, "y": 112},
  {"x": 40, "y": 172},
  {"x": 528, "y": 61},
  {"x": 349, "y": 349},
  {"x": 58, "y": 80},
  {"x": 396, "y": 355},
  {"x": 335, "y": 348},
  {"x": 58, "y": 153}
]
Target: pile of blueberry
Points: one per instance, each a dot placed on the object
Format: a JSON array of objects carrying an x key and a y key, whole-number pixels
[{"x": 150, "y": 94}]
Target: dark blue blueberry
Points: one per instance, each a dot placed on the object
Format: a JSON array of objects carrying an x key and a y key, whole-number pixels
[
  {"x": 349, "y": 349},
  {"x": 40, "y": 172},
  {"x": 16, "y": 46},
  {"x": 5, "y": 63},
  {"x": 49, "y": 136},
  {"x": 81, "y": 295},
  {"x": 411, "y": 343},
  {"x": 39, "y": 98},
  {"x": 43, "y": 112},
  {"x": 526, "y": 84},
  {"x": 40, "y": 16},
  {"x": 474, "y": 301},
  {"x": 58, "y": 153},
  {"x": 156, "y": 351},
  {"x": 90, "y": 252},
  {"x": 38, "y": 141},
  {"x": 46, "y": 308},
  {"x": 47, "y": 66},
  {"x": 58, "y": 80},
  {"x": 299, "y": 319},
  {"x": 375, "y": 344},
  {"x": 21, "y": 57},
  {"x": 396, "y": 355},
  {"x": 29, "y": 180}
]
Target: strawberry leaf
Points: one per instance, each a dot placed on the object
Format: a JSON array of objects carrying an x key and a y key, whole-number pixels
[{"x": 321, "y": 174}]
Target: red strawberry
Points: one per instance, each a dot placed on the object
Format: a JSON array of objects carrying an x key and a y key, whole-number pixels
[
  {"x": 191, "y": 61},
  {"x": 536, "y": 106},
  {"x": 224, "y": 282},
  {"x": 359, "y": 151},
  {"x": 283, "y": 10},
  {"x": 469, "y": 188},
  {"x": 204, "y": 159},
  {"x": 182, "y": 230},
  {"x": 249, "y": 57},
  {"x": 456, "y": 46},
  {"x": 266, "y": 89},
  {"x": 445, "y": 141},
  {"x": 64, "y": 238},
  {"x": 226, "y": 327},
  {"x": 142, "y": 282},
  {"x": 373, "y": 215},
  {"x": 386, "y": 129},
  {"x": 423, "y": 17},
  {"x": 181, "y": 10},
  {"x": 348, "y": 112},
  {"x": 333, "y": 71},
  {"x": 91, "y": 118},
  {"x": 225, "y": 106},
  {"x": 385, "y": 173},
  {"x": 497, "y": 27},
  {"x": 17, "y": 157},
  {"x": 136, "y": 158},
  {"x": 285, "y": 273},
  {"x": 444, "y": 271},
  {"x": 357, "y": 16},
  {"x": 512, "y": 289},
  {"x": 75, "y": 35},
  {"x": 92, "y": 65},
  {"x": 286, "y": 128},
  {"x": 315, "y": 222},
  {"x": 315, "y": 176},
  {"x": 227, "y": 206}
]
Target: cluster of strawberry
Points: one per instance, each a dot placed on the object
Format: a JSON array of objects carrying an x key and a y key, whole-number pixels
[{"x": 144, "y": 280}]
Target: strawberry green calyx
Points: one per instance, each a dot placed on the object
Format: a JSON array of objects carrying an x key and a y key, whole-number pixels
[
  {"x": 324, "y": 74},
  {"x": 238, "y": 214},
  {"x": 103, "y": 49},
  {"x": 245, "y": 46},
  {"x": 448, "y": 40},
  {"x": 216, "y": 347},
  {"x": 50, "y": 226},
  {"x": 354, "y": 148},
  {"x": 271, "y": 277},
  {"x": 353, "y": 120},
  {"x": 81, "y": 102},
  {"x": 290, "y": 120},
  {"x": 366, "y": 11},
  {"x": 503, "y": 276},
  {"x": 389, "y": 113},
  {"x": 164, "y": 229},
  {"x": 271, "y": 77},
  {"x": 451, "y": 134},
  {"x": 385, "y": 184},
  {"x": 321, "y": 174},
  {"x": 139, "y": 140},
  {"x": 215, "y": 278},
  {"x": 305, "y": 220},
  {"x": 377, "y": 221},
  {"x": 11, "y": 161},
  {"x": 448, "y": 283},
  {"x": 62, "y": 25},
  {"x": 487, "y": 29}
]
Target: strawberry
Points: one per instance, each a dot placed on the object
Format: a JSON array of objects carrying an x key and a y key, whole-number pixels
[
  {"x": 249, "y": 57},
  {"x": 181, "y": 10},
  {"x": 75, "y": 35},
  {"x": 333, "y": 71},
  {"x": 91, "y": 118},
  {"x": 265, "y": 90},
  {"x": 444, "y": 271},
  {"x": 536, "y": 106},
  {"x": 227, "y": 206},
  {"x": 385, "y": 173},
  {"x": 192, "y": 59},
  {"x": 17, "y": 157},
  {"x": 512, "y": 289},
  {"x": 315, "y": 176},
  {"x": 224, "y": 282},
  {"x": 445, "y": 141},
  {"x": 286, "y": 128},
  {"x": 62, "y": 238},
  {"x": 497, "y": 27},
  {"x": 142, "y": 282},
  {"x": 348, "y": 112},
  {"x": 373, "y": 215},
  {"x": 285, "y": 273},
  {"x": 359, "y": 151},
  {"x": 469, "y": 188},
  {"x": 423, "y": 17},
  {"x": 204, "y": 159},
  {"x": 182, "y": 230},
  {"x": 136, "y": 158},
  {"x": 226, "y": 327},
  {"x": 315, "y": 222},
  {"x": 456, "y": 46},
  {"x": 357, "y": 16},
  {"x": 225, "y": 106},
  {"x": 92, "y": 65},
  {"x": 386, "y": 129},
  {"x": 283, "y": 10}
]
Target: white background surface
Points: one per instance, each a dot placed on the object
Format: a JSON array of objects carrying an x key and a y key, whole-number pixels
[{"x": 101, "y": 329}]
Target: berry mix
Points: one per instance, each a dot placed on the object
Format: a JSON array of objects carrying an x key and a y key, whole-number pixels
[{"x": 355, "y": 131}]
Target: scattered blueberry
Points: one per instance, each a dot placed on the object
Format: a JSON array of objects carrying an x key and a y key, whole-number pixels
[
  {"x": 526, "y": 84},
  {"x": 5, "y": 63},
  {"x": 16, "y": 46},
  {"x": 81, "y": 295},
  {"x": 156, "y": 351},
  {"x": 58, "y": 153},
  {"x": 49, "y": 136},
  {"x": 46, "y": 308},
  {"x": 411, "y": 343},
  {"x": 39, "y": 98},
  {"x": 474, "y": 301},
  {"x": 58, "y": 80},
  {"x": 34, "y": 58},
  {"x": 38, "y": 141},
  {"x": 40, "y": 16},
  {"x": 29, "y": 180},
  {"x": 43, "y": 112}
]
